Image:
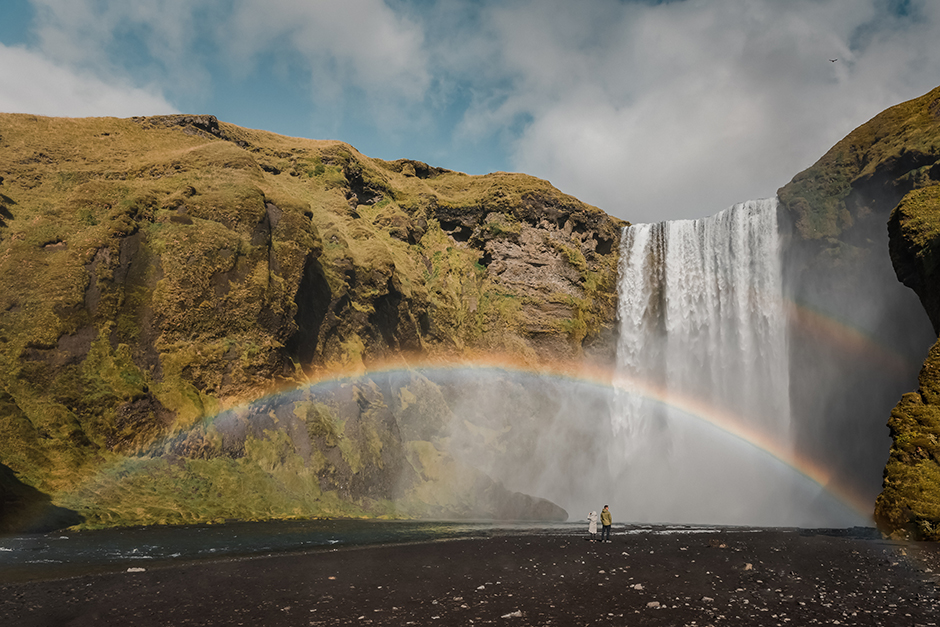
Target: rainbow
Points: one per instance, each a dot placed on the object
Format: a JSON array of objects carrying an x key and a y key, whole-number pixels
[
  {"x": 696, "y": 409},
  {"x": 849, "y": 340}
]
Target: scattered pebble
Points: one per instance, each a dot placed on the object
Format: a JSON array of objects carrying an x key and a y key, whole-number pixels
[{"x": 810, "y": 580}]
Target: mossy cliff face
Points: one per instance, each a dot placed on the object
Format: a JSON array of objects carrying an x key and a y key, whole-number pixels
[
  {"x": 155, "y": 271},
  {"x": 914, "y": 231},
  {"x": 843, "y": 195},
  {"x": 886, "y": 172},
  {"x": 909, "y": 504}
]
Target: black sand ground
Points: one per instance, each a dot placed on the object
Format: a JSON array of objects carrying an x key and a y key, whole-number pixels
[{"x": 717, "y": 578}]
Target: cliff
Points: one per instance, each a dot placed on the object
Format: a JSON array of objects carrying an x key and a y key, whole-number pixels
[
  {"x": 158, "y": 272},
  {"x": 886, "y": 171},
  {"x": 200, "y": 322},
  {"x": 910, "y": 501}
]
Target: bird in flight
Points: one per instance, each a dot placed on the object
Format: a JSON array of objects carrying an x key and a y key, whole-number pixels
[{"x": 833, "y": 60}]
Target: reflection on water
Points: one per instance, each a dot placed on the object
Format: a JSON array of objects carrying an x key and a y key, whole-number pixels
[{"x": 62, "y": 554}]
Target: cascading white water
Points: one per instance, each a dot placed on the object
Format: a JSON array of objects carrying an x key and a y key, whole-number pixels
[
  {"x": 702, "y": 317},
  {"x": 699, "y": 429},
  {"x": 702, "y": 314}
]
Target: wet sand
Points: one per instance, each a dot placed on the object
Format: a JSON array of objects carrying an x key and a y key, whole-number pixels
[{"x": 726, "y": 577}]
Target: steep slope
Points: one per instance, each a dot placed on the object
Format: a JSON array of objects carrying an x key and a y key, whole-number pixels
[
  {"x": 910, "y": 501},
  {"x": 156, "y": 271},
  {"x": 838, "y": 208}
]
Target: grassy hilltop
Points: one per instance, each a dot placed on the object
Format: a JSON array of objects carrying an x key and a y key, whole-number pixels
[{"x": 156, "y": 271}]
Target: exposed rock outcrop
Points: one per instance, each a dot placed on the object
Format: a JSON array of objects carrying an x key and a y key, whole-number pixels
[
  {"x": 909, "y": 504},
  {"x": 154, "y": 271}
]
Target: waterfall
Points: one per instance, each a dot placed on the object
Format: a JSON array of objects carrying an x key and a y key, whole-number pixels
[
  {"x": 702, "y": 317},
  {"x": 702, "y": 313}
]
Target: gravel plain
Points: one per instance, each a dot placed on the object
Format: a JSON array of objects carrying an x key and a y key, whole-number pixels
[{"x": 717, "y": 577}]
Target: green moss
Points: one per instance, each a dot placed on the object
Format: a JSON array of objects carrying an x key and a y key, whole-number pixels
[
  {"x": 112, "y": 371},
  {"x": 502, "y": 225},
  {"x": 176, "y": 391},
  {"x": 21, "y": 445},
  {"x": 910, "y": 498},
  {"x": 816, "y": 196},
  {"x": 270, "y": 481},
  {"x": 147, "y": 277},
  {"x": 919, "y": 215},
  {"x": 321, "y": 425}
]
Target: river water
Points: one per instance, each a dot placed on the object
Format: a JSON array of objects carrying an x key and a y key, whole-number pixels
[
  {"x": 61, "y": 554},
  {"x": 71, "y": 553}
]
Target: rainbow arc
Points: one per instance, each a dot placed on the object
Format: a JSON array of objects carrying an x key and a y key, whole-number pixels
[{"x": 724, "y": 421}]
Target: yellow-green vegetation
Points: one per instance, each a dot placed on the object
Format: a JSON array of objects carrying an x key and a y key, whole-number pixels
[
  {"x": 914, "y": 231},
  {"x": 146, "y": 491},
  {"x": 445, "y": 485},
  {"x": 909, "y": 504},
  {"x": 156, "y": 271},
  {"x": 889, "y": 155},
  {"x": 919, "y": 212},
  {"x": 835, "y": 213},
  {"x": 599, "y": 287}
]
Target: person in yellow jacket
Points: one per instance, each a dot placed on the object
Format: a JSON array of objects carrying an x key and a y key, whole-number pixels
[{"x": 606, "y": 521}]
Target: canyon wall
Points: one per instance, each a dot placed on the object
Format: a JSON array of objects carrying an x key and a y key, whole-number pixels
[{"x": 155, "y": 272}]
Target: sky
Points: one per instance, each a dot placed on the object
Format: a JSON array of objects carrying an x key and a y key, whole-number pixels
[{"x": 648, "y": 110}]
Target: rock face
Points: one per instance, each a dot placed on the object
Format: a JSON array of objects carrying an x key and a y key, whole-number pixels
[
  {"x": 914, "y": 229},
  {"x": 887, "y": 170},
  {"x": 910, "y": 502},
  {"x": 162, "y": 278},
  {"x": 155, "y": 271}
]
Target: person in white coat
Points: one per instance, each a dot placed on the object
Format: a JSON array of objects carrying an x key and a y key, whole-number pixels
[{"x": 592, "y": 525}]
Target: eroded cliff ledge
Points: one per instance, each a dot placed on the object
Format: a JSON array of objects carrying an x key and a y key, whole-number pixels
[{"x": 154, "y": 271}]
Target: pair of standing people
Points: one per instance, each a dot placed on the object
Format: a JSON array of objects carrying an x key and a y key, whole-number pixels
[{"x": 606, "y": 522}]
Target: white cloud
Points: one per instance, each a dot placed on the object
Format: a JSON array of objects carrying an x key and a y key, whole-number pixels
[
  {"x": 360, "y": 42},
  {"x": 353, "y": 53},
  {"x": 357, "y": 54},
  {"x": 650, "y": 111},
  {"x": 33, "y": 84},
  {"x": 111, "y": 35},
  {"x": 681, "y": 109}
]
